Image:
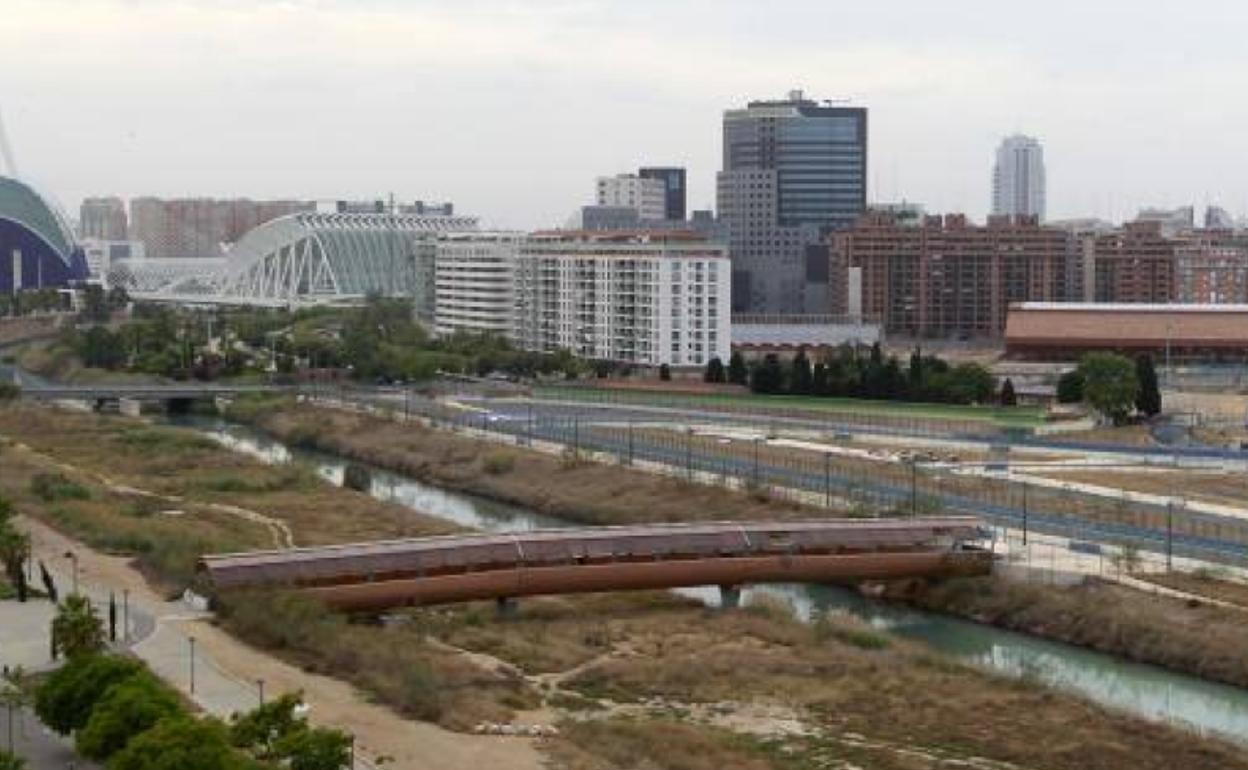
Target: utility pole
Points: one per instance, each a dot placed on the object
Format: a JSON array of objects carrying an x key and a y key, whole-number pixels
[
  {"x": 827, "y": 479},
  {"x": 191, "y": 640}
]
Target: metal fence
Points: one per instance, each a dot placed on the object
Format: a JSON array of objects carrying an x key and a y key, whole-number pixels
[{"x": 861, "y": 487}]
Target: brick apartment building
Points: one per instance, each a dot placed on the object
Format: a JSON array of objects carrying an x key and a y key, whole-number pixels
[
  {"x": 947, "y": 278},
  {"x": 1133, "y": 264}
]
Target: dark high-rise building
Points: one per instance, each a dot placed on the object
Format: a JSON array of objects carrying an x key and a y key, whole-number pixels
[
  {"x": 674, "y": 185},
  {"x": 794, "y": 170}
]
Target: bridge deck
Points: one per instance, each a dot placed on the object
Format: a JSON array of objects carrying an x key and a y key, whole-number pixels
[{"x": 464, "y": 567}]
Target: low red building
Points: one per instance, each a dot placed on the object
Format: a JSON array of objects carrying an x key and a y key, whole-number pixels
[{"x": 1067, "y": 330}]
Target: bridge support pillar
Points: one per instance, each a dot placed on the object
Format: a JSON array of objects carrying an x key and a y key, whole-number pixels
[
  {"x": 729, "y": 597},
  {"x": 507, "y": 606},
  {"x": 130, "y": 407}
]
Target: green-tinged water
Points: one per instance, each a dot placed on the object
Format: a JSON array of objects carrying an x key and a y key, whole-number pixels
[{"x": 1143, "y": 690}]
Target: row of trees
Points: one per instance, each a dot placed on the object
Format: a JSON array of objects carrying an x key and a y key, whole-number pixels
[
  {"x": 32, "y": 301},
  {"x": 120, "y": 714},
  {"x": 1113, "y": 385},
  {"x": 852, "y": 372}
]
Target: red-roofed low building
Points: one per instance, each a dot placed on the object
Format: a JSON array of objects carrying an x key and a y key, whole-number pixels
[{"x": 1067, "y": 330}]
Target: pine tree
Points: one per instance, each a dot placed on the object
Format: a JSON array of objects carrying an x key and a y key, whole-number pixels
[
  {"x": 737, "y": 372},
  {"x": 1148, "y": 399},
  {"x": 1008, "y": 397}
]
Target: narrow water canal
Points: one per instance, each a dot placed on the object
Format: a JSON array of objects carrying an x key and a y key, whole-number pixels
[{"x": 1144, "y": 690}]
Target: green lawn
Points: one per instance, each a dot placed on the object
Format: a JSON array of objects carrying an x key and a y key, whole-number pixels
[{"x": 1006, "y": 417}]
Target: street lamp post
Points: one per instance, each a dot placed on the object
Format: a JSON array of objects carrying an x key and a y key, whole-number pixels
[
  {"x": 260, "y": 689},
  {"x": 191, "y": 640},
  {"x": 73, "y": 557}
]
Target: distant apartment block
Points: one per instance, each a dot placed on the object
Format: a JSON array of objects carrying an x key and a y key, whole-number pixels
[
  {"x": 674, "y": 186},
  {"x": 200, "y": 228},
  {"x": 1135, "y": 264},
  {"x": 945, "y": 277},
  {"x": 647, "y": 196},
  {"x": 793, "y": 171},
  {"x": 642, "y": 297},
  {"x": 1211, "y": 270},
  {"x": 103, "y": 219},
  {"x": 1018, "y": 178},
  {"x": 474, "y": 280}
]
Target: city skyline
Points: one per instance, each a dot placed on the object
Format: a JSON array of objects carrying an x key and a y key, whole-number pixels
[{"x": 180, "y": 117}]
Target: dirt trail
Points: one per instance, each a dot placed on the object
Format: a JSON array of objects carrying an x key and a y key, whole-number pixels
[
  {"x": 282, "y": 536},
  {"x": 379, "y": 732}
]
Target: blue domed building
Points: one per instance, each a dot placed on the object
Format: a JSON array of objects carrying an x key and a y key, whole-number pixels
[{"x": 37, "y": 247}]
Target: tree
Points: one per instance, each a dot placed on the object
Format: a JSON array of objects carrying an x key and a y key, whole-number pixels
[
  {"x": 800, "y": 381},
  {"x": 714, "y": 371},
  {"x": 767, "y": 377},
  {"x": 77, "y": 629},
  {"x": 127, "y": 709},
  {"x": 9, "y": 392},
  {"x": 1148, "y": 400},
  {"x": 316, "y": 749},
  {"x": 95, "y": 304},
  {"x": 178, "y": 743},
  {"x": 1008, "y": 397},
  {"x": 738, "y": 374},
  {"x": 14, "y": 546},
  {"x": 819, "y": 381},
  {"x": 1070, "y": 387},
  {"x": 970, "y": 384},
  {"x": 1110, "y": 385},
  {"x": 665, "y": 373},
  {"x": 276, "y": 732},
  {"x": 65, "y": 699}
]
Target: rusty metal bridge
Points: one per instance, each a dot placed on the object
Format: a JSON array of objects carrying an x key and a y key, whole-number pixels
[{"x": 458, "y": 568}]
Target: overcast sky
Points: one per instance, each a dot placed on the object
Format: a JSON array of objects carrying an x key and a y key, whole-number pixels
[{"x": 510, "y": 109}]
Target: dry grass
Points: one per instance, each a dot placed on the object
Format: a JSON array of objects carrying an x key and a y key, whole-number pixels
[
  {"x": 1130, "y": 435},
  {"x": 180, "y": 462},
  {"x": 1221, "y": 488},
  {"x": 590, "y": 493},
  {"x": 1203, "y": 583},
  {"x": 1199, "y": 639},
  {"x": 395, "y": 663},
  {"x": 626, "y": 744},
  {"x": 629, "y": 651}
]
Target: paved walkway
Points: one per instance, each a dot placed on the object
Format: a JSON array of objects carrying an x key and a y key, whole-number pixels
[{"x": 227, "y": 672}]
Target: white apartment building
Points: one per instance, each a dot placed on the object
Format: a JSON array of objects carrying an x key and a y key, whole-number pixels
[
  {"x": 474, "y": 275},
  {"x": 1018, "y": 178},
  {"x": 647, "y": 196},
  {"x": 641, "y": 297}
]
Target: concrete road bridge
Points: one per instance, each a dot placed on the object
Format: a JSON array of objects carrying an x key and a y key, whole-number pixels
[{"x": 460, "y": 568}]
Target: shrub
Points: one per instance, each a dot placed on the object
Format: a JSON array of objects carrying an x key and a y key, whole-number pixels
[
  {"x": 56, "y": 486},
  {"x": 127, "y": 709},
  {"x": 179, "y": 743},
  {"x": 499, "y": 463},
  {"x": 65, "y": 700},
  {"x": 357, "y": 477},
  {"x": 1070, "y": 387}
]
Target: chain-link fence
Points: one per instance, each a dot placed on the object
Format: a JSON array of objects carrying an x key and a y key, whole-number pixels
[{"x": 744, "y": 459}]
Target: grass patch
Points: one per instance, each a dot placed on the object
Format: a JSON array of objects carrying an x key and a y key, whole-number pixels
[{"x": 50, "y": 487}]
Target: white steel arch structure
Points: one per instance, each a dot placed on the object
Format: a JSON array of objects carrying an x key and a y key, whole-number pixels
[{"x": 314, "y": 258}]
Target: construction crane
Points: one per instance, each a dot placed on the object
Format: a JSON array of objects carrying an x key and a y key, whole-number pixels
[{"x": 6, "y": 151}]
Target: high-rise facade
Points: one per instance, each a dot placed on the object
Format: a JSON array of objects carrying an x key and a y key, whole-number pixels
[
  {"x": 103, "y": 219},
  {"x": 199, "y": 227},
  {"x": 1018, "y": 178},
  {"x": 647, "y": 196},
  {"x": 947, "y": 278},
  {"x": 674, "y": 183},
  {"x": 474, "y": 280},
  {"x": 642, "y": 297},
  {"x": 794, "y": 170}
]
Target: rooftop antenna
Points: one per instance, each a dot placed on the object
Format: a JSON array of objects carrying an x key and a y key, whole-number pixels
[{"x": 6, "y": 151}]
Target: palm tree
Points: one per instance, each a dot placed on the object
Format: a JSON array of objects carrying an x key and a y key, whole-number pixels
[{"x": 77, "y": 629}]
